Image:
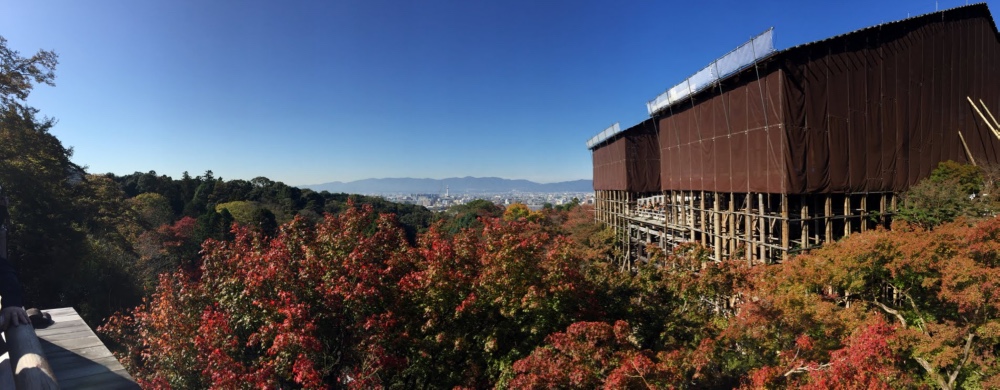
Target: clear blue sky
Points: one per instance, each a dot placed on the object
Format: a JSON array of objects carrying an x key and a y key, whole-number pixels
[{"x": 308, "y": 92}]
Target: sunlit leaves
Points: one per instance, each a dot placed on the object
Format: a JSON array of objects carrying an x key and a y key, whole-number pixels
[{"x": 350, "y": 302}]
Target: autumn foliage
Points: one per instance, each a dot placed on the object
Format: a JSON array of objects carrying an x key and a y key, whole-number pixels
[{"x": 349, "y": 302}]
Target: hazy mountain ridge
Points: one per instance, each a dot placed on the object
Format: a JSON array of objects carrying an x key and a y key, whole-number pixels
[{"x": 455, "y": 185}]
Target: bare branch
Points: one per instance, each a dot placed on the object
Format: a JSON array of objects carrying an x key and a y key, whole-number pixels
[
  {"x": 892, "y": 311},
  {"x": 806, "y": 368},
  {"x": 913, "y": 304},
  {"x": 966, "y": 353},
  {"x": 930, "y": 370}
]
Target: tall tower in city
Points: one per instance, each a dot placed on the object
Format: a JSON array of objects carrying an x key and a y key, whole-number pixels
[{"x": 445, "y": 191}]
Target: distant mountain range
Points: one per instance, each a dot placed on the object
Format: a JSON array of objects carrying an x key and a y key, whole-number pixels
[{"x": 455, "y": 185}]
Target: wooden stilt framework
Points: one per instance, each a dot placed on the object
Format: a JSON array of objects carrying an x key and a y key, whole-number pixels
[
  {"x": 612, "y": 208},
  {"x": 760, "y": 228}
]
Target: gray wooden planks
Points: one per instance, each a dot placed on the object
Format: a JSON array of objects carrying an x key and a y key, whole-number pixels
[{"x": 78, "y": 357}]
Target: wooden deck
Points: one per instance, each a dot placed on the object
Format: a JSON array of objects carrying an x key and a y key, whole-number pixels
[{"x": 79, "y": 359}]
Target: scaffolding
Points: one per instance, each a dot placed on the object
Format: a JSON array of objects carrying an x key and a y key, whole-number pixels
[{"x": 758, "y": 227}]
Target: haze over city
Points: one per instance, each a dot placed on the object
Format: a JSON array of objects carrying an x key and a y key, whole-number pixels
[{"x": 312, "y": 92}]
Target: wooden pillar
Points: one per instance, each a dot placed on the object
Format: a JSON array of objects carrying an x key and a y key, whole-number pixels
[
  {"x": 675, "y": 208},
  {"x": 864, "y": 213},
  {"x": 703, "y": 222},
  {"x": 762, "y": 233},
  {"x": 717, "y": 230},
  {"x": 805, "y": 222},
  {"x": 732, "y": 244},
  {"x": 618, "y": 213},
  {"x": 748, "y": 222},
  {"x": 614, "y": 213},
  {"x": 600, "y": 206},
  {"x": 628, "y": 248},
  {"x": 828, "y": 222},
  {"x": 618, "y": 210},
  {"x": 785, "y": 226},
  {"x": 848, "y": 215},
  {"x": 691, "y": 214},
  {"x": 605, "y": 207},
  {"x": 881, "y": 209},
  {"x": 668, "y": 206}
]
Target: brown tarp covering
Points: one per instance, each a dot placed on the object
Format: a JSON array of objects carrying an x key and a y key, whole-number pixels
[
  {"x": 870, "y": 111},
  {"x": 609, "y": 165},
  {"x": 878, "y": 109},
  {"x": 728, "y": 142},
  {"x": 630, "y": 161}
]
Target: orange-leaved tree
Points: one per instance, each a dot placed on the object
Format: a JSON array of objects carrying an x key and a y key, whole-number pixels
[{"x": 938, "y": 288}]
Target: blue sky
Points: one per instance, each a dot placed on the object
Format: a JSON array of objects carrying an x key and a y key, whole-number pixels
[{"x": 307, "y": 92}]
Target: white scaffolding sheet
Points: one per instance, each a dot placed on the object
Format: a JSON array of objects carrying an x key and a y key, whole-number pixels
[
  {"x": 747, "y": 54},
  {"x": 600, "y": 137}
]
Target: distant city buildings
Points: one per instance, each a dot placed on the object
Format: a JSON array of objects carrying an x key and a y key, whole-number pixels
[{"x": 534, "y": 200}]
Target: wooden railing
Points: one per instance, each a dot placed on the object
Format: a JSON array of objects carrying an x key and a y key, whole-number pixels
[
  {"x": 658, "y": 215},
  {"x": 27, "y": 361}
]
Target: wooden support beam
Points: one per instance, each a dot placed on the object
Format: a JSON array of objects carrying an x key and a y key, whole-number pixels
[
  {"x": 967, "y": 152},
  {"x": 785, "y": 227},
  {"x": 666, "y": 218},
  {"x": 717, "y": 222},
  {"x": 881, "y": 209},
  {"x": 828, "y": 212},
  {"x": 628, "y": 249},
  {"x": 668, "y": 207},
  {"x": 690, "y": 215},
  {"x": 847, "y": 213},
  {"x": 748, "y": 232},
  {"x": 762, "y": 233},
  {"x": 864, "y": 213},
  {"x": 675, "y": 209},
  {"x": 703, "y": 222},
  {"x": 806, "y": 242},
  {"x": 988, "y": 124},
  {"x": 995, "y": 123},
  {"x": 731, "y": 244}
]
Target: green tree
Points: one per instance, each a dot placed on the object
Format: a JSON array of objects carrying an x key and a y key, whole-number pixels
[
  {"x": 243, "y": 211},
  {"x": 152, "y": 209},
  {"x": 516, "y": 211},
  {"x": 36, "y": 172},
  {"x": 18, "y": 75},
  {"x": 469, "y": 215},
  {"x": 951, "y": 191},
  {"x": 263, "y": 220}
]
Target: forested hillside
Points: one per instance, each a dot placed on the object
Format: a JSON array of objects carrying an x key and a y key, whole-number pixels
[{"x": 99, "y": 242}]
